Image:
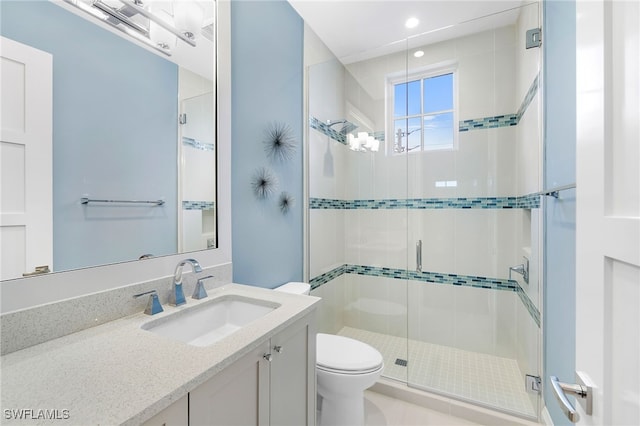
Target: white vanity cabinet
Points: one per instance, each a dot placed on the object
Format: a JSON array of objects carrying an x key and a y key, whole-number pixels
[
  {"x": 174, "y": 415},
  {"x": 273, "y": 385},
  {"x": 293, "y": 375}
]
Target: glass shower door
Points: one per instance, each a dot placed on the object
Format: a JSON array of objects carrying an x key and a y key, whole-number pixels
[
  {"x": 471, "y": 143},
  {"x": 422, "y": 166},
  {"x": 376, "y": 222}
]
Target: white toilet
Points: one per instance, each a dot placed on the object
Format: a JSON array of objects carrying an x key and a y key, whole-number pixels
[{"x": 344, "y": 369}]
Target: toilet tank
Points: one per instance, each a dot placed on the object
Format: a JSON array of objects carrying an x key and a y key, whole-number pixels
[{"x": 295, "y": 288}]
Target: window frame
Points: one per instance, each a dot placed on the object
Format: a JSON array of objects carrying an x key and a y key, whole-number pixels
[{"x": 421, "y": 75}]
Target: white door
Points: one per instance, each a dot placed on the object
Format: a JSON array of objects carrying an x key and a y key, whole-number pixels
[
  {"x": 26, "y": 221},
  {"x": 608, "y": 209}
]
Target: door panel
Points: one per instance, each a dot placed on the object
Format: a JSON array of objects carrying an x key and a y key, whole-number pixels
[
  {"x": 26, "y": 222},
  {"x": 608, "y": 213}
]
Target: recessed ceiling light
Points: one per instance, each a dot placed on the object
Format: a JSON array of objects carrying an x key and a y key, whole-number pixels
[
  {"x": 418, "y": 53},
  {"x": 412, "y": 23}
]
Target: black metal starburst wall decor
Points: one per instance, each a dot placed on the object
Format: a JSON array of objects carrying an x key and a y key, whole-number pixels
[
  {"x": 279, "y": 143},
  {"x": 264, "y": 183},
  {"x": 286, "y": 202},
  {"x": 279, "y": 146}
]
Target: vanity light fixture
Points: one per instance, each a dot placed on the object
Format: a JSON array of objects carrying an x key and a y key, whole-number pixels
[
  {"x": 363, "y": 142},
  {"x": 418, "y": 53},
  {"x": 146, "y": 22},
  {"x": 412, "y": 22}
]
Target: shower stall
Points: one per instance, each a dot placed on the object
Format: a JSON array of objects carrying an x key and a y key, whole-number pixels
[{"x": 423, "y": 207}]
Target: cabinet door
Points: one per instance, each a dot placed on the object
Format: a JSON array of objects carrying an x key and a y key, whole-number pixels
[
  {"x": 293, "y": 374},
  {"x": 174, "y": 415},
  {"x": 237, "y": 396}
]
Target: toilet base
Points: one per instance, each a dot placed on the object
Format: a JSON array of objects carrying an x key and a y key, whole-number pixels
[{"x": 341, "y": 411}]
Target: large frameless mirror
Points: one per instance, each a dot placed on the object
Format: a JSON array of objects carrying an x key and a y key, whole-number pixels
[{"x": 127, "y": 169}]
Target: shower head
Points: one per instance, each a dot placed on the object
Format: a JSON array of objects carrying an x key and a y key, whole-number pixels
[
  {"x": 346, "y": 128},
  {"x": 331, "y": 123}
]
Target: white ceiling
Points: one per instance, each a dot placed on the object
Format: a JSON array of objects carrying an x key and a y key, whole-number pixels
[{"x": 356, "y": 30}]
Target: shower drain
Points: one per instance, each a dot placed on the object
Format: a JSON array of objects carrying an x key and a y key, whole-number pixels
[{"x": 402, "y": 362}]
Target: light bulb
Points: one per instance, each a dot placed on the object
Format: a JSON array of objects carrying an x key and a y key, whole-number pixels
[
  {"x": 354, "y": 143},
  {"x": 369, "y": 142}
]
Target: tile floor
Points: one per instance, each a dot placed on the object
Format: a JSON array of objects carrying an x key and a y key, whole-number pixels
[
  {"x": 487, "y": 379},
  {"x": 382, "y": 410}
]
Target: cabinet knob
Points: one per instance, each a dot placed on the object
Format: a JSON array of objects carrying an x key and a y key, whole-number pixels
[
  {"x": 268, "y": 357},
  {"x": 277, "y": 348}
]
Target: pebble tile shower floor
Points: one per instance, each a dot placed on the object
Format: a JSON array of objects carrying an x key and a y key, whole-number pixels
[{"x": 484, "y": 378}]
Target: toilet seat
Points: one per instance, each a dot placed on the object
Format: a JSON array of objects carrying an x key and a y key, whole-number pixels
[
  {"x": 342, "y": 355},
  {"x": 347, "y": 372}
]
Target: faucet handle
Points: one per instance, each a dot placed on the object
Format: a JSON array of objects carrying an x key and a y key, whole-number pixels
[
  {"x": 199, "y": 292},
  {"x": 153, "y": 305}
]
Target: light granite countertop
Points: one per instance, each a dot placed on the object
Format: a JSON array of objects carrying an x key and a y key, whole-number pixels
[{"x": 118, "y": 373}]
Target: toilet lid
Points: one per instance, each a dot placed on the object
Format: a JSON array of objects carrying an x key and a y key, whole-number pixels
[{"x": 339, "y": 353}]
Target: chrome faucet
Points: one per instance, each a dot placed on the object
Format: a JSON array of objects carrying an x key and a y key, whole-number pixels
[
  {"x": 153, "y": 305},
  {"x": 176, "y": 297},
  {"x": 199, "y": 292}
]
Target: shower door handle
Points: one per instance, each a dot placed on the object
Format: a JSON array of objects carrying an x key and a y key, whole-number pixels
[
  {"x": 419, "y": 256},
  {"x": 581, "y": 390}
]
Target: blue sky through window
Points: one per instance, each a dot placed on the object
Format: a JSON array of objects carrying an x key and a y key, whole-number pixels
[
  {"x": 438, "y": 93},
  {"x": 424, "y": 113}
]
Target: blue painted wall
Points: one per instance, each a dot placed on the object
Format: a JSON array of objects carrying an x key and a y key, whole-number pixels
[
  {"x": 267, "y": 86},
  {"x": 560, "y": 215},
  {"x": 114, "y": 136}
]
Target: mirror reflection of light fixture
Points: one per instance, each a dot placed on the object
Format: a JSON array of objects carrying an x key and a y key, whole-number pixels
[
  {"x": 152, "y": 24},
  {"x": 188, "y": 17},
  {"x": 363, "y": 142},
  {"x": 158, "y": 35}
]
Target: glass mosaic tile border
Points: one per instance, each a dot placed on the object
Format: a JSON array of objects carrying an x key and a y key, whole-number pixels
[
  {"x": 431, "y": 277},
  {"x": 198, "y": 205},
  {"x": 531, "y": 93},
  {"x": 526, "y": 301},
  {"x": 524, "y": 202},
  {"x": 196, "y": 144},
  {"x": 488, "y": 122},
  {"x": 504, "y": 120}
]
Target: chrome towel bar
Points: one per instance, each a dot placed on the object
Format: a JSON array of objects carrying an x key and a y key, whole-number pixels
[
  {"x": 554, "y": 192},
  {"x": 85, "y": 200}
]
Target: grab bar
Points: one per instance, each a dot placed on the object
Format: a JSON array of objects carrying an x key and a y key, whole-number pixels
[
  {"x": 419, "y": 256},
  {"x": 85, "y": 200}
]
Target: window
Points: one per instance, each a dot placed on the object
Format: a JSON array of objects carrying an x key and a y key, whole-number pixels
[{"x": 424, "y": 112}]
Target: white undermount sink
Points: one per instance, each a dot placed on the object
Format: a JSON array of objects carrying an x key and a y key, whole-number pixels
[{"x": 209, "y": 322}]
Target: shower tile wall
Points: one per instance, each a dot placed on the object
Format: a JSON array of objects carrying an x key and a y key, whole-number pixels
[{"x": 477, "y": 242}]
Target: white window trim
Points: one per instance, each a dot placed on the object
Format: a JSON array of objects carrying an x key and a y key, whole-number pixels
[{"x": 448, "y": 67}]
